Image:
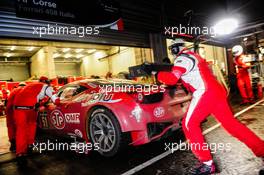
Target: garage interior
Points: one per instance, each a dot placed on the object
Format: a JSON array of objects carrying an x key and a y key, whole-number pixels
[{"x": 28, "y": 59}]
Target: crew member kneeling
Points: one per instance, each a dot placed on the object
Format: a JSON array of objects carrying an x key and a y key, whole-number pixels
[
  {"x": 209, "y": 97},
  {"x": 25, "y": 115}
]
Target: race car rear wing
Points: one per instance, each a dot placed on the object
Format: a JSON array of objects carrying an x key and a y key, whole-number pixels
[{"x": 147, "y": 69}]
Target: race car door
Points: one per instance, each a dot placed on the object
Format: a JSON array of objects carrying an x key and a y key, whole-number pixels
[{"x": 65, "y": 118}]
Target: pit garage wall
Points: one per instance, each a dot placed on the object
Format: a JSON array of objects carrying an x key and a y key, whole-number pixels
[
  {"x": 42, "y": 63},
  {"x": 67, "y": 69},
  {"x": 16, "y": 71},
  {"x": 116, "y": 63}
]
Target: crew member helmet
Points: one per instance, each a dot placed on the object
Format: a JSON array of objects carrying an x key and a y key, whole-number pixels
[
  {"x": 176, "y": 45},
  {"x": 237, "y": 50}
]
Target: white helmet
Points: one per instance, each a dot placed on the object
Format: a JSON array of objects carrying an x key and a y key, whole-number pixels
[
  {"x": 237, "y": 50},
  {"x": 176, "y": 46}
]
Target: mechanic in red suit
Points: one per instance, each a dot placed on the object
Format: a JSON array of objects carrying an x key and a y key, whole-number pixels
[
  {"x": 11, "y": 128},
  {"x": 209, "y": 97},
  {"x": 5, "y": 93},
  {"x": 26, "y": 104},
  {"x": 243, "y": 79}
]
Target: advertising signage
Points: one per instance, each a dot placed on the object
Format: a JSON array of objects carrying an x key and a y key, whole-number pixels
[{"x": 80, "y": 12}]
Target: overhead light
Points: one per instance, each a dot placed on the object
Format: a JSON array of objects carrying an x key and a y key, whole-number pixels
[
  {"x": 13, "y": 48},
  {"x": 56, "y": 55},
  {"x": 225, "y": 26},
  {"x": 66, "y": 50},
  {"x": 67, "y": 55},
  {"x": 31, "y": 48},
  {"x": 91, "y": 50},
  {"x": 8, "y": 55},
  {"x": 79, "y": 56},
  {"x": 78, "y": 50},
  {"x": 99, "y": 55}
]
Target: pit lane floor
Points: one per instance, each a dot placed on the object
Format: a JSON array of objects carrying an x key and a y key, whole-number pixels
[{"x": 238, "y": 160}]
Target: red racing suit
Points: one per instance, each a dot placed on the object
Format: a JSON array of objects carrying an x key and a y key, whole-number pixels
[
  {"x": 209, "y": 97},
  {"x": 25, "y": 114},
  {"x": 5, "y": 93},
  {"x": 243, "y": 79},
  {"x": 10, "y": 113}
]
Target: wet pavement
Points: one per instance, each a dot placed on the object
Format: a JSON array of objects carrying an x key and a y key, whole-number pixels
[{"x": 238, "y": 160}]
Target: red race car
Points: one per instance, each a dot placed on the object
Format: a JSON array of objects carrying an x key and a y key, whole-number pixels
[{"x": 115, "y": 113}]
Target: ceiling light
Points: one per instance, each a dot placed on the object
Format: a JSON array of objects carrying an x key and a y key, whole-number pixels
[
  {"x": 31, "y": 48},
  {"x": 79, "y": 50},
  {"x": 66, "y": 50},
  {"x": 225, "y": 26},
  {"x": 99, "y": 55},
  {"x": 8, "y": 55},
  {"x": 91, "y": 50},
  {"x": 56, "y": 55},
  {"x": 67, "y": 55},
  {"x": 13, "y": 48},
  {"x": 79, "y": 56}
]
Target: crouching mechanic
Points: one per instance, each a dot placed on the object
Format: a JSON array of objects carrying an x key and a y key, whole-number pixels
[
  {"x": 25, "y": 115},
  {"x": 209, "y": 97},
  {"x": 10, "y": 122}
]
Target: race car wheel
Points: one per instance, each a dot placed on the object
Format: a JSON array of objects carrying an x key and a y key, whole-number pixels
[{"x": 105, "y": 131}]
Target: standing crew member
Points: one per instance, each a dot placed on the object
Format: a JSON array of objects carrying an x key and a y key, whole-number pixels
[
  {"x": 243, "y": 79},
  {"x": 10, "y": 117},
  {"x": 25, "y": 115},
  {"x": 209, "y": 97},
  {"x": 5, "y": 94}
]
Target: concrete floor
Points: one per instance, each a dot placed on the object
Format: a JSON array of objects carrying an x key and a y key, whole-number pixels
[
  {"x": 237, "y": 161},
  {"x": 4, "y": 143}
]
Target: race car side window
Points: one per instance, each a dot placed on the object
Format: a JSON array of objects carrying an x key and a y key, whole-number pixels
[{"x": 70, "y": 91}]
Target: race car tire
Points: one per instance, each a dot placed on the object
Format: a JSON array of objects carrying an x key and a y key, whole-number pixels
[{"x": 105, "y": 131}]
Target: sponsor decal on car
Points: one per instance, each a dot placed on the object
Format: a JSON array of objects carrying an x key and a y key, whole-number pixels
[
  {"x": 98, "y": 97},
  {"x": 136, "y": 113},
  {"x": 43, "y": 120},
  {"x": 83, "y": 97},
  {"x": 57, "y": 119},
  {"x": 73, "y": 118},
  {"x": 159, "y": 112}
]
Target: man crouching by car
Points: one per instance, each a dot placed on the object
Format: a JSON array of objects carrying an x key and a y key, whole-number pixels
[{"x": 26, "y": 104}]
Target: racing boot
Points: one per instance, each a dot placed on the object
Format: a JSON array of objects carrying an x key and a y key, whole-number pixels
[
  {"x": 21, "y": 160},
  {"x": 12, "y": 146},
  {"x": 203, "y": 169},
  {"x": 244, "y": 102},
  {"x": 30, "y": 149},
  {"x": 261, "y": 172}
]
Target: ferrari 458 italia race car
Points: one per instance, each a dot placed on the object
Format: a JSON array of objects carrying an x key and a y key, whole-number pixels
[{"x": 97, "y": 112}]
